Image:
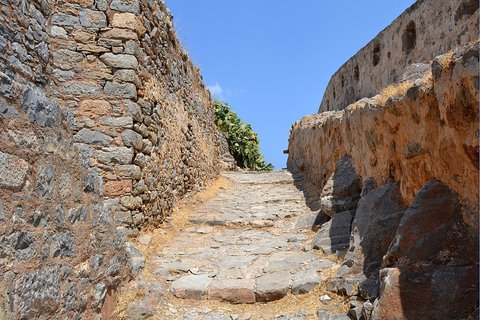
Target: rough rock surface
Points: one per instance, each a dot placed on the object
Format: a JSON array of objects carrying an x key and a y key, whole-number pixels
[
  {"x": 376, "y": 220},
  {"x": 433, "y": 251},
  {"x": 442, "y": 112},
  {"x": 413, "y": 253},
  {"x": 334, "y": 235},
  {"x": 342, "y": 190}
]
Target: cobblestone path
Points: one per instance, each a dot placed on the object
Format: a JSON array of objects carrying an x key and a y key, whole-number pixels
[{"x": 242, "y": 250}]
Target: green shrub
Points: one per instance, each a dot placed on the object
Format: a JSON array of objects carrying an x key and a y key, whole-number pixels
[{"x": 242, "y": 141}]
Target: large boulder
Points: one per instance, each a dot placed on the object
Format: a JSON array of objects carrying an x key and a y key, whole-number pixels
[
  {"x": 334, "y": 235},
  {"x": 431, "y": 267},
  {"x": 376, "y": 220},
  {"x": 342, "y": 190}
]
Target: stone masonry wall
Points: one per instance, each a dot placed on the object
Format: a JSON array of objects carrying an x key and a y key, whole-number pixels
[
  {"x": 427, "y": 29},
  {"x": 60, "y": 252},
  {"x": 137, "y": 105},
  {"x": 105, "y": 125}
]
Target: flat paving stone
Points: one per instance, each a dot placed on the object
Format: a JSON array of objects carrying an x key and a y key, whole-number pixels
[
  {"x": 305, "y": 281},
  {"x": 233, "y": 290},
  {"x": 272, "y": 286},
  {"x": 178, "y": 267},
  {"x": 191, "y": 286}
]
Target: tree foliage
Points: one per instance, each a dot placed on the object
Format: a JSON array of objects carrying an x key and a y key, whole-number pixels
[{"x": 242, "y": 140}]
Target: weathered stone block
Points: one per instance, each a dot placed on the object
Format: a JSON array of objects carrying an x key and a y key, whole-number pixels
[
  {"x": 115, "y": 155},
  {"x": 133, "y": 109},
  {"x": 23, "y": 244},
  {"x": 117, "y": 188},
  {"x": 140, "y": 160},
  {"x": 120, "y": 34},
  {"x": 81, "y": 88},
  {"x": 128, "y": 171},
  {"x": 125, "y": 75},
  {"x": 94, "y": 108},
  {"x": 6, "y": 110},
  {"x": 125, "y": 61},
  {"x": 124, "y": 20},
  {"x": 63, "y": 75},
  {"x": 92, "y": 137},
  {"x": 273, "y": 286},
  {"x": 91, "y": 48},
  {"x": 377, "y": 218},
  {"x": 233, "y": 290},
  {"x": 131, "y": 202},
  {"x": 62, "y": 245},
  {"x": 92, "y": 18},
  {"x": 70, "y": 296},
  {"x": 96, "y": 261},
  {"x": 424, "y": 228},
  {"x": 6, "y": 85},
  {"x": 139, "y": 310},
  {"x": 119, "y": 122},
  {"x": 132, "y": 6},
  {"x": 40, "y": 109},
  {"x": 191, "y": 286},
  {"x": 38, "y": 287},
  {"x": 58, "y": 32},
  {"x": 107, "y": 42},
  {"x": 39, "y": 219},
  {"x": 305, "y": 281},
  {"x": 46, "y": 182},
  {"x": 132, "y": 139},
  {"x": 122, "y": 90},
  {"x": 13, "y": 171},
  {"x": 62, "y": 19},
  {"x": 77, "y": 214},
  {"x": 135, "y": 259},
  {"x": 59, "y": 216},
  {"x": 99, "y": 295},
  {"x": 335, "y": 234},
  {"x": 342, "y": 190}
]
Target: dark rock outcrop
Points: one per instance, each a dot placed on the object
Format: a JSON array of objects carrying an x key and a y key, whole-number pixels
[
  {"x": 342, "y": 190},
  {"x": 432, "y": 261},
  {"x": 376, "y": 220}
]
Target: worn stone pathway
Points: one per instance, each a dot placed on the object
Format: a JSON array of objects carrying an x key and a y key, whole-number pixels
[{"x": 242, "y": 250}]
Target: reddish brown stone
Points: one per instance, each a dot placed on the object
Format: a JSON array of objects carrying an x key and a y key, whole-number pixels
[
  {"x": 124, "y": 20},
  {"x": 122, "y": 34},
  {"x": 233, "y": 290},
  {"x": 94, "y": 108},
  {"x": 117, "y": 188}
]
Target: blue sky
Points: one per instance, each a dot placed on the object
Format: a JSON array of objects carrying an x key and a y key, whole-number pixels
[{"x": 271, "y": 59}]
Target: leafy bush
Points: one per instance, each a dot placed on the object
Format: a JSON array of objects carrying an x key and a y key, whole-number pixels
[{"x": 242, "y": 141}]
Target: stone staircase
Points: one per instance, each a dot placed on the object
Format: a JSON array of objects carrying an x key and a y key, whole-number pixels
[{"x": 245, "y": 253}]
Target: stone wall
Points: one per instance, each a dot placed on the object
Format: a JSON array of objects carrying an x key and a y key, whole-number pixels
[
  {"x": 137, "y": 105},
  {"x": 414, "y": 236},
  {"x": 105, "y": 126},
  {"x": 60, "y": 252},
  {"x": 427, "y": 29}
]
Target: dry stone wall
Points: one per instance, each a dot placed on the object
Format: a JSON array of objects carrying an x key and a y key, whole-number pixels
[
  {"x": 60, "y": 252},
  {"x": 137, "y": 105},
  {"x": 105, "y": 125},
  {"x": 425, "y": 30}
]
